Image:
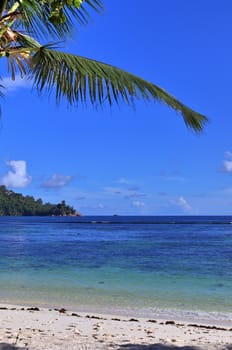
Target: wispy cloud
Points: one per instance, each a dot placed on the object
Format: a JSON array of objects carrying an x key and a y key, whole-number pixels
[
  {"x": 17, "y": 177},
  {"x": 182, "y": 202},
  {"x": 228, "y": 154},
  {"x": 94, "y": 206},
  {"x": 114, "y": 190},
  {"x": 227, "y": 191},
  {"x": 138, "y": 204},
  {"x": 123, "y": 181},
  {"x": 18, "y": 83},
  {"x": 227, "y": 163},
  {"x": 133, "y": 188},
  {"x": 123, "y": 192},
  {"x": 135, "y": 194},
  {"x": 162, "y": 194},
  {"x": 57, "y": 181},
  {"x": 172, "y": 176}
]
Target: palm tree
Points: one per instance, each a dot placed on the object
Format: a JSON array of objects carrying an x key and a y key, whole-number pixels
[{"x": 25, "y": 23}]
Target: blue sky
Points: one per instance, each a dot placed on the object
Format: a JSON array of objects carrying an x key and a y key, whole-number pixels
[{"x": 121, "y": 161}]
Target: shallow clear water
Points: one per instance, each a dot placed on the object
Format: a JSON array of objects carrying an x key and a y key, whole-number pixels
[{"x": 145, "y": 262}]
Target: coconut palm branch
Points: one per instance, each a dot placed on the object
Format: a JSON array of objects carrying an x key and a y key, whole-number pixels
[
  {"x": 42, "y": 20},
  {"x": 82, "y": 79},
  {"x": 76, "y": 78}
]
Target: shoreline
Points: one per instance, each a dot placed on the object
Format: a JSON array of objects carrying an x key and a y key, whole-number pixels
[
  {"x": 216, "y": 318},
  {"x": 24, "y": 327}
]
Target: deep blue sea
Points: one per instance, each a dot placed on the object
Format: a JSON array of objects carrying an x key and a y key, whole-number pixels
[{"x": 182, "y": 263}]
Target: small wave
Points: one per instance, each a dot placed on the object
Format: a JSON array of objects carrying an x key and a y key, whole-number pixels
[{"x": 149, "y": 222}]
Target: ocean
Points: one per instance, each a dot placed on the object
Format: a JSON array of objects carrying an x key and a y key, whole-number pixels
[{"x": 118, "y": 263}]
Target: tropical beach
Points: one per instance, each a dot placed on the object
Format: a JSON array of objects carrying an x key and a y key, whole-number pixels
[
  {"x": 141, "y": 256},
  {"x": 34, "y": 328},
  {"x": 115, "y": 282}
]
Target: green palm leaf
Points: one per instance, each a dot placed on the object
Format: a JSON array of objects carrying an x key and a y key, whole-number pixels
[
  {"x": 3, "y": 5},
  {"x": 80, "y": 79},
  {"x": 36, "y": 17},
  {"x": 2, "y": 87}
]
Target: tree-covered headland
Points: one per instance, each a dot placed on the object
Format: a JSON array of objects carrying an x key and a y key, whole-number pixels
[{"x": 15, "y": 204}]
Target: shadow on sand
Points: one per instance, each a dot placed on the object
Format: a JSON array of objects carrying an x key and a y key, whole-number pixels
[
  {"x": 6, "y": 346},
  {"x": 158, "y": 346}
]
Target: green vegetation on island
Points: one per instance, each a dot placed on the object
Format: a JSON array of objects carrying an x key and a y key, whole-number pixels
[{"x": 15, "y": 204}]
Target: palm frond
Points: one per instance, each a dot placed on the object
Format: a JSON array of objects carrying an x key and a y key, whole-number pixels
[
  {"x": 35, "y": 17},
  {"x": 27, "y": 41},
  {"x": 18, "y": 62},
  {"x": 79, "y": 79},
  {"x": 3, "y": 5},
  {"x": 2, "y": 87}
]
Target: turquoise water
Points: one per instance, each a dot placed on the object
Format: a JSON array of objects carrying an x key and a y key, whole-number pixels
[{"x": 183, "y": 263}]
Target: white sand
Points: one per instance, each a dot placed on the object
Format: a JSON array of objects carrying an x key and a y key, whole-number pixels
[{"x": 53, "y": 329}]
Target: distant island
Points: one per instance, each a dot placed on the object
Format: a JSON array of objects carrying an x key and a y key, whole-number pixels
[{"x": 15, "y": 204}]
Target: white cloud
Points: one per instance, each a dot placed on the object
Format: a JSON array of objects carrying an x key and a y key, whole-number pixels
[
  {"x": 123, "y": 181},
  {"x": 162, "y": 193},
  {"x": 126, "y": 193},
  {"x": 100, "y": 206},
  {"x": 113, "y": 190},
  {"x": 227, "y": 166},
  {"x": 80, "y": 198},
  {"x": 228, "y": 154},
  {"x": 57, "y": 181},
  {"x": 133, "y": 188},
  {"x": 17, "y": 177},
  {"x": 12, "y": 85},
  {"x": 184, "y": 204},
  {"x": 97, "y": 206},
  {"x": 173, "y": 176},
  {"x": 135, "y": 194},
  {"x": 138, "y": 204}
]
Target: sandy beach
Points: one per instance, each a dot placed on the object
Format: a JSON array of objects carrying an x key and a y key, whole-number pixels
[{"x": 39, "y": 328}]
